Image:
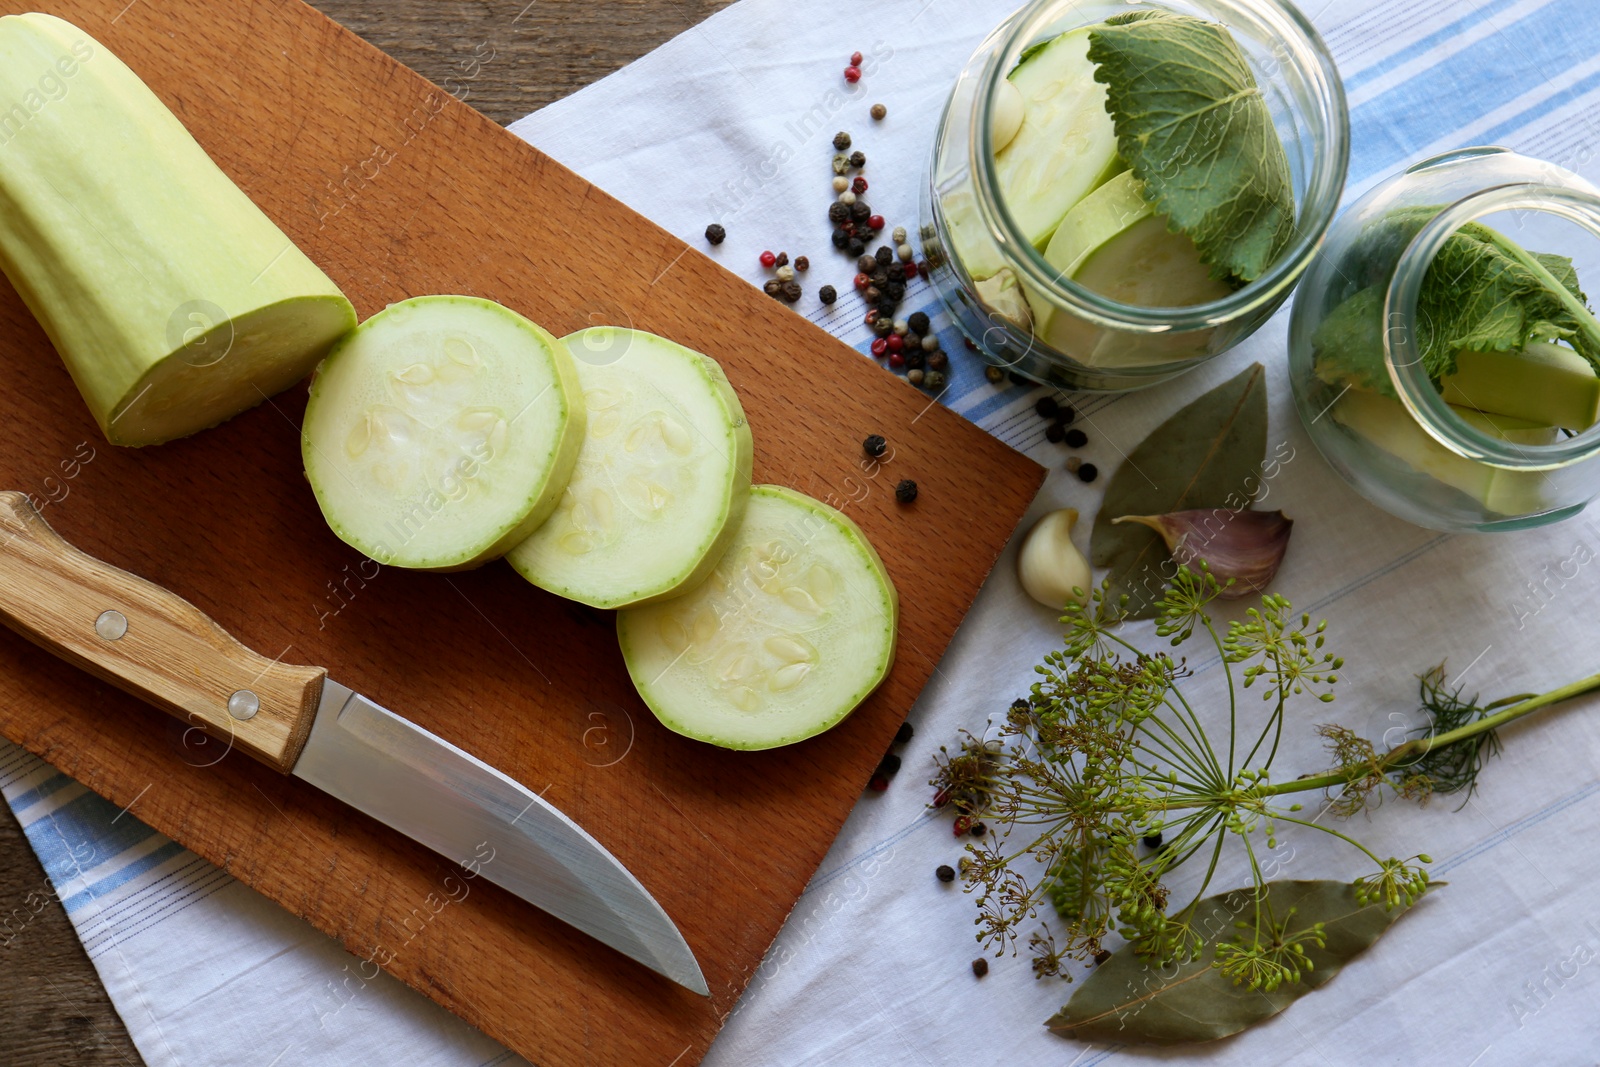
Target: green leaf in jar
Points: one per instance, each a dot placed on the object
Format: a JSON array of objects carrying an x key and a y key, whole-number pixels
[
  {"x": 1128, "y": 1000},
  {"x": 1193, "y": 126},
  {"x": 1208, "y": 455}
]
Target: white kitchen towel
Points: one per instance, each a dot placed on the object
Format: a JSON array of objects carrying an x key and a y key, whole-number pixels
[{"x": 731, "y": 122}]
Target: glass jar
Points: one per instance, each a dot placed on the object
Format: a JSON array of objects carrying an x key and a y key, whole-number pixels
[
  {"x": 1113, "y": 346},
  {"x": 1392, "y": 436}
]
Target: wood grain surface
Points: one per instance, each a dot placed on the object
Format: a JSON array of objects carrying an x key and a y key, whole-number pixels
[{"x": 292, "y": 107}]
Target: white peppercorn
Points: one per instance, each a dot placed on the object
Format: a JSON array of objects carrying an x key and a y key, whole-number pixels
[
  {"x": 847, "y": 197},
  {"x": 906, "y": 253},
  {"x": 930, "y": 343},
  {"x": 899, "y": 235},
  {"x": 840, "y": 183}
]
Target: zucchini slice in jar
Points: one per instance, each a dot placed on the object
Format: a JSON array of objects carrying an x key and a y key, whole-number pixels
[
  {"x": 441, "y": 432},
  {"x": 793, "y": 628},
  {"x": 661, "y": 481}
]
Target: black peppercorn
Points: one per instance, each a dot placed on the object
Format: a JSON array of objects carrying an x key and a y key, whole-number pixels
[
  {"x": 802, "y": 264},
  {"x": 1016, "y": 378},
  {"x": 1101, "y": 956},
  {"x": 1076, "y": 438},
  {"x": 1088, "y": 472},
  {"x": 860, "y": 211},
  {"x": 994, "y": 374},
  {"x": 1067, "y": 415},
  {"x": 858, "y": 159},
  {"x": 938, "y": 360},
  {"x": 884, "y": 255},
  {"x": 980, "y": 967},
  {"x": 1054, "y": 433},
  {"x": 919, "y": 322},
  {"x": 1021, "y": 705},
  {"x": 906, "y": 491},
  {"x": 915, "y": 358},
  {"x": 978, "y": 829},
  {"x": 875, "y": 445},
  {"x": 841, "y": 140},
  {"x": 838, "y": 212},
  {"x": 840, "y": 239},
  {"x": 854, "y": 247},
  {"x": 896, "y": 273},
  {"x": 866, "y": 264},
  {"x": 716, "y": 234},
  {"x": 945, "y": 873},
  {"x": 872, "y": 294},
  {"x": 792, "y": 291},
  {"x": 782, "y": 260},
  {"x": 1047, "y": 407},
  {"x": 880, "y": 277},
  {"x": 895, "y": 291},
  {"x": 905, "y": 733},
  {"x": 890, "y": 764},
  {"x": 1152, "y": 840},
  {"x": 773, "y": 287},
  {"x": 886, "y": 307},
  {"x": 827, "y": 294}
]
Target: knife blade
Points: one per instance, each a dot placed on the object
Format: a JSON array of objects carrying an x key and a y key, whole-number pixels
[{"x": 150, "y": 642}]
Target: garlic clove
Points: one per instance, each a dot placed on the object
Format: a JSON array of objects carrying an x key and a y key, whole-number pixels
[
  {"x": 1005, "y": 115},
  {"x": 1003, "y": 293},
  {"x": 1049, "y": 565},
  {"x": 1247, "y": 546}
]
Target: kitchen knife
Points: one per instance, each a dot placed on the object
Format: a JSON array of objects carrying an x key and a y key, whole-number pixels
[{"x": 162, "y": 649}]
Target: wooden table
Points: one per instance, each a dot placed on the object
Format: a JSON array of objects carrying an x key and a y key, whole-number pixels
[{"x": 53, "y": 1011}]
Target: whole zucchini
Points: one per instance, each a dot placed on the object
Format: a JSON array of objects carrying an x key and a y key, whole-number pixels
[{"x": 174, "y": 301}]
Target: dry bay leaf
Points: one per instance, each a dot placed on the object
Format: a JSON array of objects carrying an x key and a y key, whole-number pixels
[
  {"x": 1129, "y": 1000},
  {"x": 1207, "y": 455}
]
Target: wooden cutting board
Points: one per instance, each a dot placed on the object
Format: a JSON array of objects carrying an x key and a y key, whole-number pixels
[{"x": 397, "y": 190}]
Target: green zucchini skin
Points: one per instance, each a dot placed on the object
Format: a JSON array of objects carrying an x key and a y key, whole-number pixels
[{"x": 173, "y": 300}]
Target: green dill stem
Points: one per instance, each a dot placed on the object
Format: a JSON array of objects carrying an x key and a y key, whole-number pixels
[{"x": 1418, "y": 747}]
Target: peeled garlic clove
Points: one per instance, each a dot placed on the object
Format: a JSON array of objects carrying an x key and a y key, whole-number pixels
[
  {"x": 1051, "y": 568},
  {"x": 1005, "y": 115},
  {"x": 1246, "y": 546},
  {"x": 1004, "y": 295}
]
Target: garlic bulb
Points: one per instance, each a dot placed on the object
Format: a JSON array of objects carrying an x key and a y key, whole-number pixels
[
  {"x": 1049, "y": 565},
  {"x": 1246, "y": 546}
]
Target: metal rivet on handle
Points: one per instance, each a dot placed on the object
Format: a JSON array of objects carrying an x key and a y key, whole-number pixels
[
  {"x": 244, "y": 704},
  {"x": 111, "y": 625}
]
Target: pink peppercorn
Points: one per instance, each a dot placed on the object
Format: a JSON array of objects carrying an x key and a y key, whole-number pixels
[
  {"x": 896, "y": 359},
  {"x": 768, "y": 259},
  {"x": 855, "y": 59},
  {"x": 852, "y": 74},
  {"x": 880, "y": 346},
  {"x": 911, "y": 271},
  {"x": 858, "y": 186},
  {"x": 896, "y": 342},
  {"x": 862, "y": 281},
  {"x": 875, "y": 222}
]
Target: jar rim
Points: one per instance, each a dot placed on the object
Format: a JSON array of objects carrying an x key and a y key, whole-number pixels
[
  {"x": 1578, "y": 203},
  {"x": 1324, "y": 185}
]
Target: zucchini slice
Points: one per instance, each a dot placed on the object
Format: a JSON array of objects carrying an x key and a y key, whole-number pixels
[
  {"x": 661, "y": 482},
  {"x": 441, "y": 432},
  {"x": 790, "y": 632}
]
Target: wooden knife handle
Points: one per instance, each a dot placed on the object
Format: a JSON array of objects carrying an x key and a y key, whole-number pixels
[{"x": 150, "y": 642}]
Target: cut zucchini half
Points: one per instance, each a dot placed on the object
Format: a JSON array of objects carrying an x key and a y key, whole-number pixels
[
  {"x": 441, "y": 432},
  {"x": 793, "y": 628},
  {"x": 1067, "y": 144},
  {"x": 661, "y": 482}
]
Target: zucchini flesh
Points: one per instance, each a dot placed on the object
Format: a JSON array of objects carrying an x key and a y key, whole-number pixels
[
  {"x": 174, "y": 302},
  {"x": 441, "y": 432},
  {"x": 793, "y": 628},
  {"x": 1067, "y": 144},
  {"x": 661, "y": 481}
]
